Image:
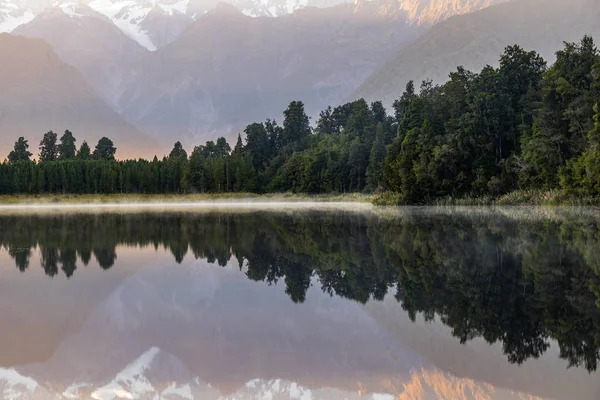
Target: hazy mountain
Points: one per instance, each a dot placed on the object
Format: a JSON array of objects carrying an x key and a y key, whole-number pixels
[
  {"x": 155, "y": 23},
  {"x": 478, "y": 39},
  {"x": 89, "y": 41},
  {"x": 216, "y": 71},
  {"x": 41, "y": 93},
  {"x": 205, "y": 83},
  {"x": 151, "y": 23}
]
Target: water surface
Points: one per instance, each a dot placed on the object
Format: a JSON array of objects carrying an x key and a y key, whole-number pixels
[{"x": 334, "y": 303}]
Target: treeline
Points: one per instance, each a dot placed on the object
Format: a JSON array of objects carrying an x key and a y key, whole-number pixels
[
  {"x": 344, "y": 153},
  {"x": 526, "y": 284},
  {"x": 519, "y": 126}
]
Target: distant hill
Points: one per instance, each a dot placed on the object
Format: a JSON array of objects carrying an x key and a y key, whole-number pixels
[
  {"x": 477, "y": 39},
  {"x": 41, "y": 93}
]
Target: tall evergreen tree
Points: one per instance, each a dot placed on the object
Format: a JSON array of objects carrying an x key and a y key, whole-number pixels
[
  {"x": 239, "y": 145},
  {"x": 21, "y": 151},
  {"x": 296, "y": 125},
  {"x": 66, "y": 148},
  {"x": 49, "y": 147},
  {"x": 222, "y": 148},
  {"x": 84, "y": 153},
  {"x": 178, "y": 152},
  {"x": 257, "y": 144},
  {"x": 105, "y": 150}
]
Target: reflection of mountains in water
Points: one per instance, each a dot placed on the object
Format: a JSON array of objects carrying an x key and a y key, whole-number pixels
[
  {"x": 161, "y": 330},
  {"x": 147, "y": 377},
  {"x": 525, "y": 284}
]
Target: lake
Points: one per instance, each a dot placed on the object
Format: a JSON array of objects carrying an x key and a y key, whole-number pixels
[{"x": 299, "y": 302}]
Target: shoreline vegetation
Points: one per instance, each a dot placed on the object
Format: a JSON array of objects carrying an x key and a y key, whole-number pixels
[
  {"x": 521, "y": 133},
  {"x": 119, "y": 199},
  {"x": 548, "y": 198},
  {"x": 551, "y": 198}
]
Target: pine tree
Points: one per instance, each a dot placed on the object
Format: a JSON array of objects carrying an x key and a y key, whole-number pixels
[
  {"x": 178, "y": 152},
  {"x": 84, "y": 153},
  {"x": 48, "y": 147},
  {"x": 239, "y": 145},
  {"x": 66, "y": 148},
  {"x": 20, "y": 152},
  {"x": 296, "y": 124},
  {"x": 105, "y": 150}
]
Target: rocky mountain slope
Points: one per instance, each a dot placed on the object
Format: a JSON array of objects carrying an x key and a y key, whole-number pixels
[
  {"x": 41, "y": 93},
  {"x": 205, "y": 84},
  {"x": 478, "y": 39}
]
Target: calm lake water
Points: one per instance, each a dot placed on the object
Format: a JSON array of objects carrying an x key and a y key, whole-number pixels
[{"x": 300, "y": 304}]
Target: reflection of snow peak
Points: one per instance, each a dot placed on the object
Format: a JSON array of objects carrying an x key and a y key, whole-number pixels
[
  {"x": 72, "y": 392},
  {"x": 130, "y": 383},
  {"x": 13, "y": 380}
]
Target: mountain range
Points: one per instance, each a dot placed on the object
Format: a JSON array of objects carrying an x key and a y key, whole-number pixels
[
  {"x": 193, "y": 70},
  {"x": 154, "y": 23},
  {"x": 478, "y": 39}
]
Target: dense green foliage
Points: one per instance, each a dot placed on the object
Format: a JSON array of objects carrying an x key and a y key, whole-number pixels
[
  {"x": 523, "y": 281},
  {"x": 345, "y": 154},
  {"x": 519, "y": 126}
]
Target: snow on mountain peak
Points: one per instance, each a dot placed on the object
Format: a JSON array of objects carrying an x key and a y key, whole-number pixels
[
  {"x": 130, "y": 383},
  {"x": 13, "y": 14},
  {"x": 70, "y": 8},
  {"x": 154, "y": 23},
  {"x": 128, "y": 16}
]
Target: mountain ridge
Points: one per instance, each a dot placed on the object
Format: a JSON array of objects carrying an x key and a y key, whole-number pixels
[
  {"x": 478, "y": 39},
  {"x": 41, "y": 93},
  {"x": 155, "y": 23}
]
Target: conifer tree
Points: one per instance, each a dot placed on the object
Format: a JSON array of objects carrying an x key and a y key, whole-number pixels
[
  {"x": 21, "y": 151},
  {"x": 84, "y": 153},
  {"x": 49, "y": 147},
  {"x": 105, "y": 150},
  {"x": 66, "y": 148},
  {"x": 178, "y": 152}
]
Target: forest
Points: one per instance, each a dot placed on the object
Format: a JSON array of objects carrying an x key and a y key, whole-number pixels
[{"x": 523, "y": 125}]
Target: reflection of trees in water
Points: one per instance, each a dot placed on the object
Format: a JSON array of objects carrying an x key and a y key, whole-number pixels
[{"x": 519, "y": 283}]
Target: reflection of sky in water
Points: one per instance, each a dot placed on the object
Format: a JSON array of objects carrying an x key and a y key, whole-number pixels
[{"x": 149, "y": 326}]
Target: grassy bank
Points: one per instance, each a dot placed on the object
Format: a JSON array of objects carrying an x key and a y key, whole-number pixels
[
  {"x": 516, "y": 198},
  {"x": 149, "y": 198}
]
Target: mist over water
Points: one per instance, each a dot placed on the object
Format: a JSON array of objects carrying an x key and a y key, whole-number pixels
[{"x": 260, "y": 299}]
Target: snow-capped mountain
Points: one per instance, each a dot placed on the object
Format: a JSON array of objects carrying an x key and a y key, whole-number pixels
[
  {"x": 145, "y": 378},
  {"x": 18, "y": 12},
  {"x": 151, "y": 23},
  {"x": 155, "y": 23}
]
